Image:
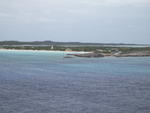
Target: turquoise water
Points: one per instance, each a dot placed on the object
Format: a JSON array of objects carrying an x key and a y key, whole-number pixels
[{"x": 45, "y": 82}]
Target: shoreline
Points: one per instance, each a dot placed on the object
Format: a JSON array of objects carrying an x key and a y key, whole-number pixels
[
  {"x": 43, "y": 50},
  {"x": 97, "y": 55},
  {"x": 71, "y": 54}
]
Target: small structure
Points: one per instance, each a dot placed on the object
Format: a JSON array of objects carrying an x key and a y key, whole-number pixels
[
  {"x": 100, "y": 50},
  {"x": 52, "y": 47},
  {"x": 68, "y": 49}
]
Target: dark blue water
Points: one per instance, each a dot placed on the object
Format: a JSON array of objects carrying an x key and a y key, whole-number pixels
[{"x": 45, "y": 82}]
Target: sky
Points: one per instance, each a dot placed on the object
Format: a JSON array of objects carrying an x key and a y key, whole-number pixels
[{"x": 103, "y": 21}]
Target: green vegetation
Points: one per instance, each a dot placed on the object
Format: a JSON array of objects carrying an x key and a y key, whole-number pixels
[
  {"x": 97, "y": 49},
  {"x": 134, "y": 49},
  {"x": 74, "y": 46}
]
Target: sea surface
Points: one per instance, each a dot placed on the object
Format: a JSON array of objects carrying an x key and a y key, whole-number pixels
[{"x": 46, "y": 82}]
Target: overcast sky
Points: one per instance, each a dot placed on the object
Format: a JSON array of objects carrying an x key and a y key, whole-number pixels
[{"x": 104, "y": 21}]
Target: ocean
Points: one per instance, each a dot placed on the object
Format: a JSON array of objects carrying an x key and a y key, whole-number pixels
[{"x": 46, "y": 82}]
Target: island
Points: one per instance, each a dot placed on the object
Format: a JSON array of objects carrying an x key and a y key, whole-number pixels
[{"x": 90, "y": 50}]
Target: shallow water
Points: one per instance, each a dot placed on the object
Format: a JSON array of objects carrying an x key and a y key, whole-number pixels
[{"x": 45, "y": 82}]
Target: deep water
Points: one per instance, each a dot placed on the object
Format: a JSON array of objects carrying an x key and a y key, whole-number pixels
[{"x": 45, "y": 82}]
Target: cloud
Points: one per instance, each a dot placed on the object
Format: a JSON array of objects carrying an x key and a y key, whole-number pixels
[
  {"x": 48, "y": 11},
  {"x": 79, "y": 19},
  {"x": 116, "y": 2},
  {"x": 39, "y": 11}
]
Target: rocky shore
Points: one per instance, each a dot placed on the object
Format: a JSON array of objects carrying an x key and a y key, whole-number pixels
[
  {"x": 87, "y": 55},
  {"x": 134, "y": 54},
  {"x": 93, "y": 54}
]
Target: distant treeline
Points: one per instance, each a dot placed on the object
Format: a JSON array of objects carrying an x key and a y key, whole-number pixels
[
  {"x": 81, "y": 48},
  {"x": 74, "y": 46},
  {"x": 55, "y": 43}
]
